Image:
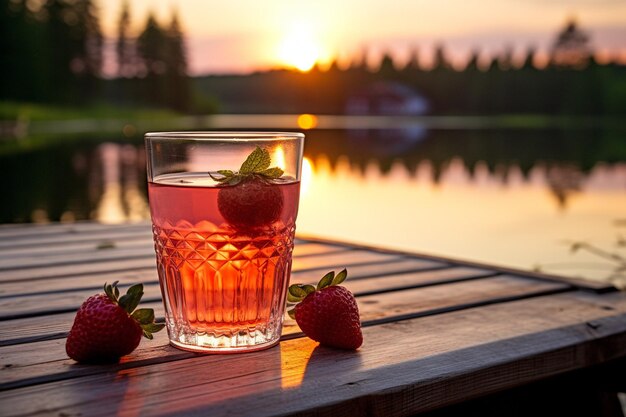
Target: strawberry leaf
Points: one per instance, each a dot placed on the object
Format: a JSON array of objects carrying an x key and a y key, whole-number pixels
[
  {"x": 292, "y": 313},
  {"x": 144, "y": 315},
  {"x": 259, "y": 160},
  {"x": 297, "y": 292},
  {"x": 340, "y": 277},
  {"x": 226, "y": 172},
  {"x": 292, "y": 298},
  {"x": 150, "y": 328},
  {"x": 131, "y": 299},
  {"x": 308, "y": 289},
  {"x": 112, "y": 291},
  {"x": 326, "y": 280}
]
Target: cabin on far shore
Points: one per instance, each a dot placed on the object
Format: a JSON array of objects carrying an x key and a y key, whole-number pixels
[{"x": 387, "y": 98}]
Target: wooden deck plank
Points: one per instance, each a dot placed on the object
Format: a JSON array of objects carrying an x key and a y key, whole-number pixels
[
  {"x": 437, "y": 331},
  {"x": 126, "y": 251},
  {"x": 441, "y": 360},
  {"x": 148, "y": 276},
  {"x": 51, "y": 252},
  {"x": 598, "y": 286},
  {"x": 143, "y": 275},
  {"x": 45, "y": 326},
  {"x": 30, "y": 230},
  {"x": 47, "y": 361},
  {"x": 317, "y": 261},
  {"x": 46, "y": 236},
  {"x": 58, "y": 250}
]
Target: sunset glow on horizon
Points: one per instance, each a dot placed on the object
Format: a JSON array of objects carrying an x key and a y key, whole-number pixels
[
  {"x": 300, "y": 48},
  {"x": 251, "y": 36}
]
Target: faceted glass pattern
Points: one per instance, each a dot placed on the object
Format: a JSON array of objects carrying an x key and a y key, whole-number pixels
[{"x": 223, "y": 291}]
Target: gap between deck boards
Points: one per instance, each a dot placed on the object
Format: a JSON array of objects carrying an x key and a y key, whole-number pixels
[
  {"x": 362, "y": 286},
  {"x": 521, "y": 295}
]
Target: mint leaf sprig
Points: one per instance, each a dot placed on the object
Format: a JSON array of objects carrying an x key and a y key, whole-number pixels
[{"x": 256, "y": 164}]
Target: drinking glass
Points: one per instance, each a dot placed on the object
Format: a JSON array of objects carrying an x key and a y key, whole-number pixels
[{"x": 223, "y": 208}]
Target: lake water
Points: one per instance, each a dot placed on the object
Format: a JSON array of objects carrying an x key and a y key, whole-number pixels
[{"x": 512, "y": 197}]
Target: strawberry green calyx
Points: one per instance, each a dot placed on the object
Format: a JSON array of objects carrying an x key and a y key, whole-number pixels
[
  {"x": 298, "y": 292},
  {"x": 129, "y": 302},
  {"x": 257, "y": 164}
]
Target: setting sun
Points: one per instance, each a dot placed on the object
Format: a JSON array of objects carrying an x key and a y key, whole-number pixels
[{"x": 299, "y": 49}]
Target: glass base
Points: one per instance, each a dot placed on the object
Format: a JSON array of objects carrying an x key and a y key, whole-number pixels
[
  {"x": 232, "y": 341},
  {"x": 224, "y": 350}
]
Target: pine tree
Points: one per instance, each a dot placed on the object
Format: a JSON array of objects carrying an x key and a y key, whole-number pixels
[
  {"x": 23, "y": 73},
  {"x": 413, "y": 64},
  {"x": 529, "y": 60},
  {"x": 571, "y": 48},
  {"x": 152, "y": 51},
  {"x": 124, "y": 47},
  {"x": 440, "y": 61},
  {"x": 87, "y": 63},
  {"x": 178, "y": 95},
  {"x": 74, "y": 49},
  {"x": 61, "y": 48},
  {"x": 473, "y": 61},
  {"x": 387, "y": 68}
]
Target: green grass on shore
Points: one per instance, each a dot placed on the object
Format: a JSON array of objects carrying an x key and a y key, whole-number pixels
[{"x": 13, "y": 111}]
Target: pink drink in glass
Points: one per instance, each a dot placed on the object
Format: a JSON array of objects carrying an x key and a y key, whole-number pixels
[{"x": 223, "y": 279}]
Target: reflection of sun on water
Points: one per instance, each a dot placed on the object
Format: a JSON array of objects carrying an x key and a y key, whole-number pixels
[
  {"x": 307, "y": 121},
  {"x": 463, "y": 214}
]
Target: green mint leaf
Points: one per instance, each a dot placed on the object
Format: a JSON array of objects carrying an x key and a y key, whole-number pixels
[
  {"x": 144, "y": 315},
  {"x": 234, "y": 180},
  {"x": 272, "y": 173},
  {"x": 221, "y": 179},
  {"x": 259, "y": 160},
  {"x": 148, "y": 335},
  {"x": 326, "y": 280},
  {"x": 340, "y": 277}
]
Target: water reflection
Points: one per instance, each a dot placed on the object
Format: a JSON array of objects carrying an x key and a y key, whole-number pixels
[
  {"x": 509, "y": 197},
  {"x": 500, "y": 216},
  {"x": 120, "y": 198}
]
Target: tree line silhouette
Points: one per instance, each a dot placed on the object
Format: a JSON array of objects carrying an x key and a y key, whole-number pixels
[
  {"x": 572, "y": 82},
  {"x": 53, "y": 52}
]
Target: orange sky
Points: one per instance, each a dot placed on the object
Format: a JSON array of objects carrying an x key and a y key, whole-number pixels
[{"x": 244, "y": 35}]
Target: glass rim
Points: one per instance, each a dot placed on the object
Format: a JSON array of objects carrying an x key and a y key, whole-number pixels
[{"x": 233, "y": 135}]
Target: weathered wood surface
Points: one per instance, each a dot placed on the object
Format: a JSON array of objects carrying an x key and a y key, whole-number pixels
[{"x": 437, "y": 332}]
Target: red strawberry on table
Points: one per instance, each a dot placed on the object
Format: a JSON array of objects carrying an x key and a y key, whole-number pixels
[
  {"x": 107, "y": 328},
  {"x": 327, "y": 313},
  {"x": 249, "y": 198}
]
